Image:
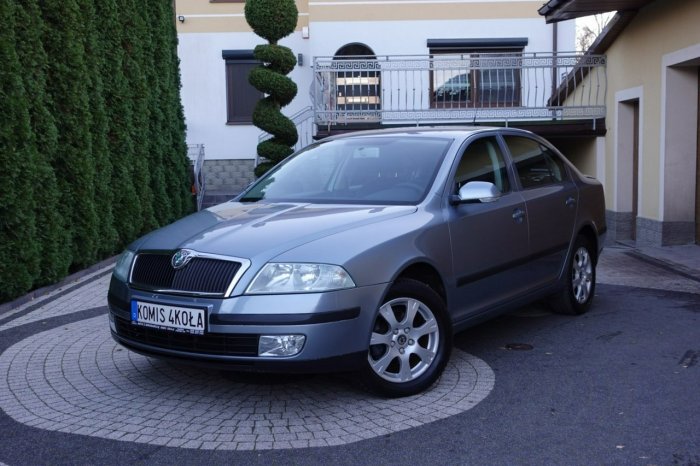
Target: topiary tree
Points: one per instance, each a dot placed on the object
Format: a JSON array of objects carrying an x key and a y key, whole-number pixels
[{"x": 272, "y": 20}]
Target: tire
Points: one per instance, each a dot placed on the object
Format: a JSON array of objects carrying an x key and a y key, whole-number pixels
[
  {"x": 410, "y": 342},
  {"x": 579, "y": 289}
]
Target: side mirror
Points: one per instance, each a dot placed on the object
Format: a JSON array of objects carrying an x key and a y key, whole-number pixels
[{"x": 477, "y": 191}]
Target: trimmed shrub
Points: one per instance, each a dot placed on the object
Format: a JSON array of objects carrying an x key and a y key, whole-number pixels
[
  {"x": 126, "y": 204},
  {"x": 92, "y": 134},
  {"x": 176, "y": 162},
  {"x": 19, "y": 267},
  {"x": 74, "y": 159},
  {"x": 52, "y": 234},
  {"x": 104, "y": 195},
  {"x": 272, "y": 20}
]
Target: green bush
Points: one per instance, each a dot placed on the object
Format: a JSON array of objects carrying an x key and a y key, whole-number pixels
[
  {"x": 127, "y": 208},
  {"x": 75, "y": 160},
  {"x": 19, "y": 250},
  {"x": 104, "y": 195},
  {"x": 272, "y": 20},
  {"x": 53, "y": 237},
  {"x": 92, "y": 134}
]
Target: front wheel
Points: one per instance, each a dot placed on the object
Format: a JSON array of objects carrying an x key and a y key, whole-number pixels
[
  {"x": 577, "y": 295},
  {"x": 410, "y": 342}
]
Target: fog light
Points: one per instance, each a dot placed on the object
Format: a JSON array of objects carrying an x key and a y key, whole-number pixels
[
  {"x": 111, "y": 323},
  {"x": 280, "y": 345}
]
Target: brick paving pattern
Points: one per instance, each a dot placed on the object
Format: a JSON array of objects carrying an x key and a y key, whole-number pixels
[
  {"x": 76, "y": 379},
  {"x": 87, "y": 294}
]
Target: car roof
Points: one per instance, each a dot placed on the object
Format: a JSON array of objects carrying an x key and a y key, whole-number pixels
[{"x": 451, "y": 132}]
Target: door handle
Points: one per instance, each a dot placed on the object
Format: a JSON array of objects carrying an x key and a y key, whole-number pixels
[
  {"x": 570, "y": 201},
  {"x": 518, "y": 215}
]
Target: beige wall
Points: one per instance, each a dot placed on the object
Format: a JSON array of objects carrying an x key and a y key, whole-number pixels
[
  {"x": 635, "y": 60},
  {"x": 203, "y": 16},
  {"x": 578, "y": 151}
]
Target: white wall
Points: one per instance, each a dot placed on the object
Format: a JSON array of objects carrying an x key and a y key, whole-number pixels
[
  {"x": 203, "y": 72},
  {"x": 203, "y": 68}
]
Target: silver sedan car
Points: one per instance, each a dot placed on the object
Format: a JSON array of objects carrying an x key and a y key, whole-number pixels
[{"x": 365, "y": 253}]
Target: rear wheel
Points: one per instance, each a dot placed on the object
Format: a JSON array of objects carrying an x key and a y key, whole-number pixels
[
  {"x": 410, "y": 341},
  {"x": 577, "y": 295}
]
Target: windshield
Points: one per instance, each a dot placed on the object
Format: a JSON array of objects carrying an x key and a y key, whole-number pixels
[{"x": 371, "y": 170}]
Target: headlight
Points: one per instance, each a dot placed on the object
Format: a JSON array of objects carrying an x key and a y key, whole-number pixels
[
  {"x": 121, "y": 270},
  {"x": 299, "y": 278}
]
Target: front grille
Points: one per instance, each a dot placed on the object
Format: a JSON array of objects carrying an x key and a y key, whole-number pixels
[
  {"x": 209, "y": 343},
  {"x": 200, "y": 275}
]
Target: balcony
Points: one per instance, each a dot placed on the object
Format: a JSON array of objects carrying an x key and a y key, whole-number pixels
[{"x": 518, "y": 89}]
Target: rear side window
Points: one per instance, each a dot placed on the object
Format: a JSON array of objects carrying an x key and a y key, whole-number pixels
[
  {"x": 483, "y": 161},
  {"x": 535, "y": 164}
]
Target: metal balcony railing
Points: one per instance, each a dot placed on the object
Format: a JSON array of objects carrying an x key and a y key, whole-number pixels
[
  {"x": 304, "y": 122},
  {"x": 459, "y": 88},
  {"x": 195, "y": 152}
]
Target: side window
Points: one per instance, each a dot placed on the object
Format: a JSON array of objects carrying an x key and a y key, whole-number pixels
[
  {"x": 483, "y": 161},
  {"x": 535, "y": 164}
]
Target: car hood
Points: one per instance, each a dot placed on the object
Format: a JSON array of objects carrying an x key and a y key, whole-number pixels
[{"x": 248, "y": 230}]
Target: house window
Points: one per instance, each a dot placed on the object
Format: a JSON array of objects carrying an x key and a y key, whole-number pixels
[
  {"x": 475, "y": 72},
  {"x": 357, "y": 88},
  {"x": 241, "y": 97}
]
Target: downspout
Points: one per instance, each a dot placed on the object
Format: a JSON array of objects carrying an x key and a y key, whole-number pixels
[{"x": 555, "y": 49}]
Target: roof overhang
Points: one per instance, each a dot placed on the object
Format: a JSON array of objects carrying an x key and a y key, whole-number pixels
[{"x": 561, "y": 10}]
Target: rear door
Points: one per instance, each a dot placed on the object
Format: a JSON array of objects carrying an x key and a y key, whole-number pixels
[{"x": 551, "y": 199}]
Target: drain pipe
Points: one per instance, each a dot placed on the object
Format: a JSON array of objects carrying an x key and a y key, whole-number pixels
[{"x": 555, "y": 49}]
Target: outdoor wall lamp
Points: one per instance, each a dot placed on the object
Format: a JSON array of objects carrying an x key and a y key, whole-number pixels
[{"x": 181, "y": 18}]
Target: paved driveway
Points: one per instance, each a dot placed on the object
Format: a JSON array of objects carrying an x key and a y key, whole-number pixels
[{"x": 615, "y": 386}]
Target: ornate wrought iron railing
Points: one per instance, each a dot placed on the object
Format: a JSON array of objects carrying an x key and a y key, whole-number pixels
[
  {"x": 195, "y": 152},
  {"x": 306, "y": 129},
  {"x": 459, "y": 88}
]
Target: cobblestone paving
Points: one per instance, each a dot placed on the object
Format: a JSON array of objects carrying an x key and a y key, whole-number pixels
[
  {"x": 85, "y": 295},
  {"x": 75, "y": 379}
]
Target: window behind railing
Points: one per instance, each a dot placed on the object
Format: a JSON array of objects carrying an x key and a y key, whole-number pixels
[{"x": 462, "y": 80}]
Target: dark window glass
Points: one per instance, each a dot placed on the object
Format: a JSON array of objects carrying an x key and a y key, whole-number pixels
[
  {"x": 535, "y": 164},
  {"x": 483, "y": 161},
  {"x": 241, "y": 97},
  {"x": 462, "y": 78}
]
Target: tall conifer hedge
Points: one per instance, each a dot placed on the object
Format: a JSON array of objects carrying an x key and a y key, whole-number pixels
[{"x": 92, "y": 135}]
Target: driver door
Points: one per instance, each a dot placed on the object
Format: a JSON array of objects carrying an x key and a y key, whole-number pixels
[{"x": 489, "y": 238}]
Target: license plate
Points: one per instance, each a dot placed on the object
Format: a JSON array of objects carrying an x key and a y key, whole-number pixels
[{"x": 175, "y": 318}]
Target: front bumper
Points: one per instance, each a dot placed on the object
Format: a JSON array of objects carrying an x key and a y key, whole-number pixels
[{"x": 337, "y": 326}]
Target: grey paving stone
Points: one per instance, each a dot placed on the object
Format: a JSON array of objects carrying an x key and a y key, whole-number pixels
[{"x": 75, "y": 379}]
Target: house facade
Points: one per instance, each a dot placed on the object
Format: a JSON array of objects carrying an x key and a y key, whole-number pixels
[
  {"x": 648, "y": 156},
  {"x": 368, "y": 63}
]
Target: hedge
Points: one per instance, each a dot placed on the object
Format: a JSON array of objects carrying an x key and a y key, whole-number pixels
[{"x": 92, "y": 134}]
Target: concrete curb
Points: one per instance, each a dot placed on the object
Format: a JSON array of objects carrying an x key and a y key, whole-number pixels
[{"x": 69, "y": 280}]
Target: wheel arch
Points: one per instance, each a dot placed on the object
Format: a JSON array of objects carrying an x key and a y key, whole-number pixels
[
  {"x": 425, "y": 273},
  {"x": 588, "y": 232}
]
